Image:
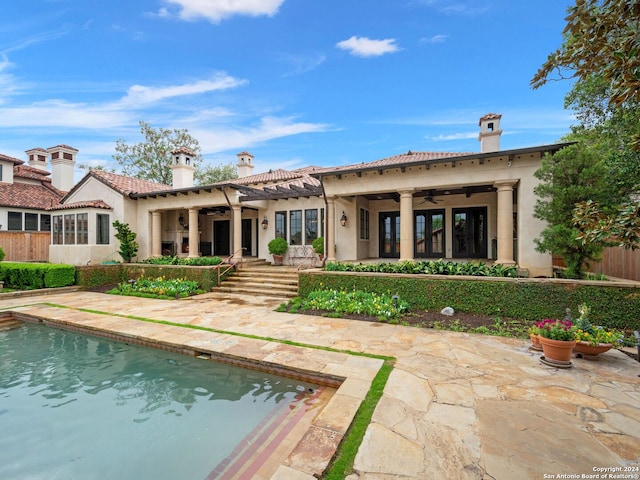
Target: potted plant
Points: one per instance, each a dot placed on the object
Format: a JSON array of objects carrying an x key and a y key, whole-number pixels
[
  {"x": 318, "y": 246},
  {"x": 278, "y": 247},
  {"x": 557, "y": 338},
  {"x": 534, "y": 332},
  {"x": 592, "y": 341}
]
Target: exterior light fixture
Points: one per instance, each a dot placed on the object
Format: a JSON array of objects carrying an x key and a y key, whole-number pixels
[
  {"x": 181, "y": 221},
  {"x": 343, "y": 219},
  {"x": 264, "y": 223}
]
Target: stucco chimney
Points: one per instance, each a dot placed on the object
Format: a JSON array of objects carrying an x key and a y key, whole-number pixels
[
  {"x": 490, "y": 133},
  {"x": 63, "y": 161},
  {"x": 38, "y": 158},
  {"x": 182, "y": 167},
  {"x": 245, "y": 164}
]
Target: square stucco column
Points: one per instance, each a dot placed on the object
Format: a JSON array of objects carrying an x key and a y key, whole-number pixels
[
  {"x": 505, "y": 221},
  {"x": 406, "y": 224},
  {"x": 236, "y": 245},
  {"x": 194, "y": 234},
  {"x": 156, "y": 233},
  {"x": 331, "y": 229}
]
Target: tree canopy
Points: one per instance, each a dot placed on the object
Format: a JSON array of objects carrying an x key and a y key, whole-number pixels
[
  {"x": 151, "y": 159},
  {"x": 601, "y": 37}
]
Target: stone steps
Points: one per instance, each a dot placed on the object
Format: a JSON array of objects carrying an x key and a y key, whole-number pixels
[{"x": 255, "y": 278}]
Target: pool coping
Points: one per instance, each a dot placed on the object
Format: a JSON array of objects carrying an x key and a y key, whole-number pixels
[{"x": 350, "y": 374}]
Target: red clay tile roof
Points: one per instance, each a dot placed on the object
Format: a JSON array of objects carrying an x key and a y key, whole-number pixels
[
  {"x": 184, "y": 150},
  {"x": 62, "y": 145},
  {"x": 85, "y": 204},
  {"x": 403, "y": 158},
  {"x": 490, "y": 116},
  {"x": 11, "y": 159},
  {"x": 25, "y": 195},
  {"x": 121, "y": 184},
  {"x": 25, "y": 171},
  {"x": 271, "y": 176}
]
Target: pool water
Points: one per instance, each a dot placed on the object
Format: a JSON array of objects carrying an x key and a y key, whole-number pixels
[{"x": 74, "y": 406}]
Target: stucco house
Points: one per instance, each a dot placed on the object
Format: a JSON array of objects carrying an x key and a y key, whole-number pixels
[
  {"x": 26, "y": 191},
  {"x": 472, "y": 205}
]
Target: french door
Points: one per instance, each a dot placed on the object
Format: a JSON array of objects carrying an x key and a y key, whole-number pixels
[
  {"x": 470, "y": 232},
  {"x": 429, "y": 228},
  {"x": 389, "y": 234}
]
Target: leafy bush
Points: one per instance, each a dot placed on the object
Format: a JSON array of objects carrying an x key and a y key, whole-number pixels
[
  {"x": 1, "y": 254},
  {"x": 94, "y": 275},
  {"x": 382, "y": 305},
  {"x": 175, "y": 260},
  {"x": 159, "y": 287},
  {"x": 128, "y": 245},
  {"x": 613, "y": 306},
  {"x": 318, "y": 245},
  {"x": 431, "y": 267},
  {"x": 31, "y": 276},
  {"x": 278, "y": 246}
]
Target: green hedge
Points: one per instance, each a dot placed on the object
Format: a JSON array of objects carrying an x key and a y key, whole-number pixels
[
  {"x": 95, "y": 275},
  {"x": 612, "y": 305},
  {"x": 31, "y": 276}
]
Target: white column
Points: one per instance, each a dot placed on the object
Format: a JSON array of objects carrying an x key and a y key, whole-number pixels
[
  {"x": 505, "y": 221},
  {"x": 331, "y": 230},
  {"x": 194, "y": 235},
  {"x": 156, "y": 233},
  {"x": 236, "y": 245},
  {"x": 406, "y": 224}
]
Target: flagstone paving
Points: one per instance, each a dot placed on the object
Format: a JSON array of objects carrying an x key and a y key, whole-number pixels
[{"x": 456, "y": 405}]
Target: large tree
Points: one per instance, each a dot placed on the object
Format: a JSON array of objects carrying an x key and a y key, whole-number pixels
[
  {"x": 601, "y": 51},
  {"x": 601, "y": 37},
  {"x": 210, "y": 174},
  {"x": 151, "y": 159},
  {"x": 571, "y": 175}
]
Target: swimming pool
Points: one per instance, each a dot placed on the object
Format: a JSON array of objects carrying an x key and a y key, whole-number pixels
[{"x": 78, "y": 406}]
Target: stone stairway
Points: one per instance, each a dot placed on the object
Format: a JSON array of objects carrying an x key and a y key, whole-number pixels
[{"x": 258, "y": 277}]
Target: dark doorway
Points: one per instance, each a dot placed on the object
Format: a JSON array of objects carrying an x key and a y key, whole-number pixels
[
  {"x": 221, "y": 237},
  {"x": 247, "y": 239},
  {"x": 390, "y": 234},
  {"x": 470, "y": 232},
  {"x": 429, "y": 229}
]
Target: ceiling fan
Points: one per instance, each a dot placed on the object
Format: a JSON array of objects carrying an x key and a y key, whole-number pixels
[{"x": 429, "y": 198}]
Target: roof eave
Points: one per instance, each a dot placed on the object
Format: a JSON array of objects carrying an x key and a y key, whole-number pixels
[{"x": 518, "y": 151}]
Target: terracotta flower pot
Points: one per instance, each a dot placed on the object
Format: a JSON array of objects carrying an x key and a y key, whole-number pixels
[
  {"x": 586, "y": 349},
  {"x": 535, "y": 341},
  {"x": 557, "y": 351},
  {"x": 277, "y": 259}
]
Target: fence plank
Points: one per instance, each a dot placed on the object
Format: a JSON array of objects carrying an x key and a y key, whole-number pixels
[{"x": 25, "y": 246}]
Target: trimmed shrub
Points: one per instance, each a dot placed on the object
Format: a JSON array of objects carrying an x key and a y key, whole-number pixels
[
  {"x": 2, "y": 254},
  {"x": 31, "y": 276},
  {"x": 612, "y": 306}
]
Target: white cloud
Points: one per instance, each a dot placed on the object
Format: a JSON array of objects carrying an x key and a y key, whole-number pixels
[
  {"x": 218, "y": 10},
  {"x": 220, "y": 139},
  {"x": 366, "y": 47},
  {"x": 434, "y": 39},
  {"x": 138, "y": 95},
  {"x": 454, "y": 136},
  {"x": 302, "y": 63},
  {"x": 59, "y": 113}
]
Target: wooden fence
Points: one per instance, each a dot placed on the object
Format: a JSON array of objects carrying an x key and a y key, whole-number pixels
[
  {"x": 620, "y": 263},
  {"x": 25, "y": 246}
]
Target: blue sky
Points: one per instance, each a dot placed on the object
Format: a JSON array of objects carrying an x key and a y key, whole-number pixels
[{"x": 294, "y": 82}]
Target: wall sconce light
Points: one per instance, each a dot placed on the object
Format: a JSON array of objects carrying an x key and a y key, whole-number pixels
[
  {"x": 343, "y": 219},
  {"x": 264, "y": 223},
  {"x": 181, "y": 221}
]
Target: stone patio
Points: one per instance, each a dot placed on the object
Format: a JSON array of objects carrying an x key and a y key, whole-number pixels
[{"x": 456, "y": 405}]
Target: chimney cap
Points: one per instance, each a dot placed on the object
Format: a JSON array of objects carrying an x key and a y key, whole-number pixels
[
  {"x": 184, "y": 150},
  {"x": 490, "y": 116}
]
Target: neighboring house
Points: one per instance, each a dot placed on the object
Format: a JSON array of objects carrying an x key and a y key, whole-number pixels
[
  {"x": 26, "y": 191},
  {"x": 414, "y": 205}
]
